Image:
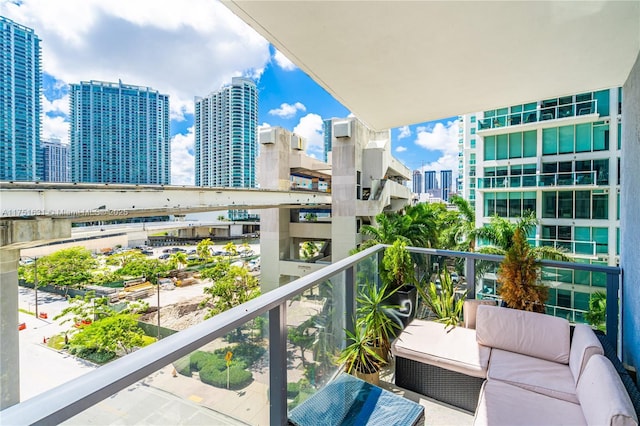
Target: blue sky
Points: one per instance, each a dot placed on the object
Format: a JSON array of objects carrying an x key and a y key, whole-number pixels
[{"x": 186, "y": 49}]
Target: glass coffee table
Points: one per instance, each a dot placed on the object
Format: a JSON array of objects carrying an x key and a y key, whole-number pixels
[{"x": 349, "y": 401}]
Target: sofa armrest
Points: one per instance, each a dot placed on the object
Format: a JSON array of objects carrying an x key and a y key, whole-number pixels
[
  {"x": 602, "y": 395},
  {"x": 584, "y": 345}
]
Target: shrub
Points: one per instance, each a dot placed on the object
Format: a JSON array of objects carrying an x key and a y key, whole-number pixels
[
  {"x": 92, "y": 354},
  {"x": 200, "y": 358},
  {"x": 238, "y": 377},
  {"x": 183, "y": 366},
  {"x": 246, "y": 352}
]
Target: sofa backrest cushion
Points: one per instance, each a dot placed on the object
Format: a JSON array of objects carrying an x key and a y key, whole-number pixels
[
  {"x": 527, "y": 333},
  {"x": 584, "y": 345},
  {"x": 470, "y": 309},
  {"x": 603, "y": 397}
]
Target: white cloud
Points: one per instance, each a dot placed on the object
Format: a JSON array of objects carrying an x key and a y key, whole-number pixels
[
  {"x": 264, "y": 126},
  {"x": 401, "y": 149},
  {"x": 182, "y": 159},
  {"x": 183, "y": 49},
  {"x": 60, "y": 105},
  {"x": 405, "y": 132},
  {"x": 310, "y": 127},
  {"x": 287, "y": 110},
  {"x": 443, "y": 138},
  {"x": 283, "y": 62},
  {"x": 55, "y": 127},
  {"x": 440, "y": 138}
]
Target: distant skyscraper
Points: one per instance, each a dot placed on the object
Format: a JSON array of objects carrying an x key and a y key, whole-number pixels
[
  {"x": 327, "y": 127},
  {"x": 430, "y": 181},
  {"x": 55, "y": 161},
  {"x": 20, "y": 102},
  {"x": 226, "y": 141},
  {"x": 417, "y": 182},
  {"x": 446, "y": 180},
  {"x": 119, "y": 134}
]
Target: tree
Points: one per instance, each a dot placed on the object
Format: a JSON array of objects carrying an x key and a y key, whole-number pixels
[
  {"x": 122, "y": 259},
  {"x": 499, "y": 233},
  {"x": 518, "y": 276},
  {"x": 70, "y": 267},
  {"x": 301, "y": 337},
  {"x": 177, "y": 260},
  {"x": 596, "y": 316},
  {"x": 89, "y": 308},
  {"x": 203, "y": 249},
  {"x": 117, "y": 333},
  {"x": 230, "y": 248},
  {"x": 232, "y": 289},
  {"x": 308, "y": 250},
  {"x": 144, "y": 267},
  {"x": 458, "y": 226},
  {"x": 216, "y": 272},
  {"x": 384, "y": 232}
]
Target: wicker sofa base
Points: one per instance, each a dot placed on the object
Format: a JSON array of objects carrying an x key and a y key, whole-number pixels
[{"x": 447, "y": 386}]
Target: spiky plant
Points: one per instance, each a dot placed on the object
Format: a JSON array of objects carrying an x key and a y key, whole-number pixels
[{"x": 443, "y": 303}]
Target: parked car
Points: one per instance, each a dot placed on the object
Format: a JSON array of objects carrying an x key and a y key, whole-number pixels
[
  {"x": 147, "y": 252},
  {"x": 164, "y": 256},
  {"x": 454, "y": 277},
  {"x": 166, "y": 250}
]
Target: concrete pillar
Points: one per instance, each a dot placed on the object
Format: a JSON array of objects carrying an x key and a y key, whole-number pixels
[
  {"x": 629, "y": 224},
  {"x": 9, "y": 342}
]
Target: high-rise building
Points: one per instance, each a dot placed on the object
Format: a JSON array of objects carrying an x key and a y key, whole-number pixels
[
  {"x": 20, "y": 102},
  {"x": 327, "y": 131},
  {"x": 417, "y": 182},
  {"x": 55, "y": 161},
  {"x": 446, "y": 180},
  {"x": 119, "y": 134},
  {"x": 226, "y": 142},
  {"x": 559, "y": 158},
  {"x": 430, "y": 181}
]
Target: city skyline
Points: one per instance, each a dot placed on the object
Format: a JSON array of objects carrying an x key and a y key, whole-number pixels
[{"x": 203, "y": 46}]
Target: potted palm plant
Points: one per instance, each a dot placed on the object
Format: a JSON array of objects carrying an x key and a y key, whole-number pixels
[
  {"x": 360, "y": 358},
  {"x": 398, "y": 274},
  {"x": 373, "y": 314},
  {"x": 445, "y": 303}
]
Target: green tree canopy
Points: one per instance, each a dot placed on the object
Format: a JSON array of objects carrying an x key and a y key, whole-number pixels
[
  {"x": 144, "y": 267},
  {"x": 234, "y": 288},
  {"x": 116, "y": 333},
  {"x": 67, "y": 267},
  {"x": 203, "y": 249}
]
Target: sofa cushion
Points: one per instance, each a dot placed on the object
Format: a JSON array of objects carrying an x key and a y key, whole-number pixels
[
  {"x": 602, "y": 395},
  {"x": 470, "y": 308},
  {"x": 504, "y": 404},
  {"x": 537, "y": 375},
  {"x": 454, "y": 349},
  {"x": 528, "y": 333},
  {"x": 584, "y": 345}
]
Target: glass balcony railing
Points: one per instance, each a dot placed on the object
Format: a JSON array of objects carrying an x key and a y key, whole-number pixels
[
  {"x": 540, "y": 180},
  {"x": 282, "y": 347},
  {"x": 542, "y": 113}
]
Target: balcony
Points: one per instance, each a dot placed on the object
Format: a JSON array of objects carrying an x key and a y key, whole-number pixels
[
  {"x": 568, "y": 179},
  {"x": 162, "y": 383},
  {"x": 581, "y": 109}
]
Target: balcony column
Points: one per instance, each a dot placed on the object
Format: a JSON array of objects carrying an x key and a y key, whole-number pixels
[
  {"x": 9, "y": 338},
  {"x": 629, "y": 224}
]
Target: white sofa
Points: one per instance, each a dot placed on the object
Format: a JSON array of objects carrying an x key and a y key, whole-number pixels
[{"x": 535, "y": 371}]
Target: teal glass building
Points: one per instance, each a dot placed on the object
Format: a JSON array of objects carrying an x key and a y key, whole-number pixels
[
  {"x": 560, "y": 158},
  {"x": 226, "y": 142},
  {"x": 20, "y": 102},
  {"x": 119, "y": 133}
]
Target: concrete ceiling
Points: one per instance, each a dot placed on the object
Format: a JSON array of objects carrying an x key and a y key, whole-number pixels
[{"x": 401, "y": 62}]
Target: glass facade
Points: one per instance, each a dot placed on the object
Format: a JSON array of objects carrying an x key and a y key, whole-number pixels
[
  {"x": 20, "y": 102},
  {"x": 119, "y": 134}
]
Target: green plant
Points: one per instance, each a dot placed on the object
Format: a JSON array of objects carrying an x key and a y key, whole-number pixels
[
  {"x": 596, "y": 315},
  {"x": 238, "y": 376},
  {"x": 372, "y": 314},
  {"x": 518, "y": 277},
  {"x": 444, "y": 302},
  {"x": 360, "y": 355},
  {"x": 397, "y": 267},
  {"x": 183, "y": 366}
]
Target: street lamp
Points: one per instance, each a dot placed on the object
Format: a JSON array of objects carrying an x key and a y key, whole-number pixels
[
  {"x": 158, "y": 288},
  {"x": 35, "y": 279}
]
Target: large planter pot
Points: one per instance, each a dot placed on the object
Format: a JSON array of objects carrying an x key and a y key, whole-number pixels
[
  {"x": 373, "y": 378},
  {"x": 407, "y": 298}
]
